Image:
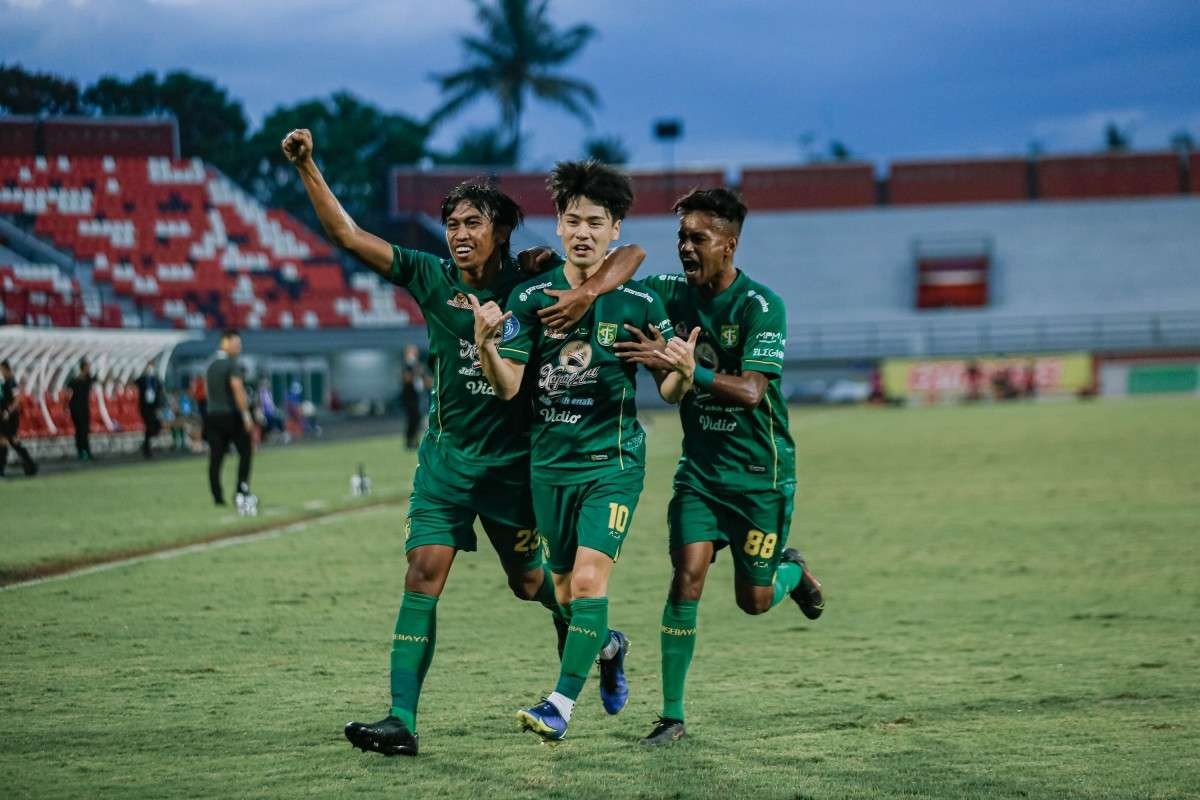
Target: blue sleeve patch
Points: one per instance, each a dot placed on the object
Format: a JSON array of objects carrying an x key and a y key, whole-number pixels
[{"x": 511, "y": 329}]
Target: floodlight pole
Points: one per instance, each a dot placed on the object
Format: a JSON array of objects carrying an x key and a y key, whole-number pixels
[{"x": 668, "y": 131}]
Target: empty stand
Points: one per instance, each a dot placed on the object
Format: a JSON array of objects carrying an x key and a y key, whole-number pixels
[
  {"x": 823, "y": 186},
  {"x": 18, "y": 136},
  {"x": 180, "y": 240},
  {"x": 976, "y": 181},
  {"x": 1108, "y": 175}
]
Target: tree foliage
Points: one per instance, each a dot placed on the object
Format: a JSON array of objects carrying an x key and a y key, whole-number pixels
[
  {"x": 211, "y": 125},
  {"x": 24, "y": 92},
  {"x": 515, "y": 57},
  {"x": 606, "y": 150},
  {"x": 355, "y": 142}
]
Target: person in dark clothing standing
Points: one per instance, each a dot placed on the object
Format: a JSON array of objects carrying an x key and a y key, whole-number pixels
[
  {"x": 414, "y": 382},
  {"x": 10, "y": 422},
  {"x": 78, "y": 404},
  {"x": 150, "y": 399},
  {"x": 229, "y": 421}
]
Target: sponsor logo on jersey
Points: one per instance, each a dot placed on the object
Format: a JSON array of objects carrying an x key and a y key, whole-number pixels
[
  {"x": 606, "y": 333},
  {"x": 550, "y": 415},
  {"x": 681, "y": 330},
  {"x": 767, "y": 352},
  {"x": 762, "y": 301},
  {"x": 575, "y": 356},
  {"x": 535, "y": 288},
  {"x": 756, "y": 469},
  {"x": 480, "y": 387},
  {"x": 635, "y": 293},
  {"x": 707, "y": 423},
  {"x": 770, "y": 337},
  {"x": 571, "y": 372},
  {"x": 706, "y": 355},
  {"x": 598, "y": 457},
  {"x": 459, "y": 301},
  {"x": 511, "y": 329},
  {"x": 730, "y": 335}
]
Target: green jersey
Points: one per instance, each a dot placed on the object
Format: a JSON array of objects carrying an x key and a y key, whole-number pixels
[
  {"x": 742, "y": 329},
  {"x": 584, "y": 417},
  {"x": 470, "y": 426}
]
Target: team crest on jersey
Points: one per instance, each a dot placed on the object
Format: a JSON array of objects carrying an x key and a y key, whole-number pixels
[
  {"x": 606, "y": 333},
  {"x": 459, "y": 301},
  {"x": 730, "y": 335}
]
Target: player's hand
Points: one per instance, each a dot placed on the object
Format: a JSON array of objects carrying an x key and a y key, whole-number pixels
[
  {"x": 645, "y": 350},
  {"x": 298, "y": 146},
  {"x": 569, "y": 307},
  {"x": 535, "y": 260},
  {"x": 489, "y": 320},
  {"x": 681, "y": 353}
]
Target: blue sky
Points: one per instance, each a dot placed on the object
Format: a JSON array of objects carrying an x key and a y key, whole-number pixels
[{"x": 749, "y": 80}]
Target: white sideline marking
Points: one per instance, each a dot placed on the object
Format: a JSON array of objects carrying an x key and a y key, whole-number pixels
[{"x": 274, "y": 533}]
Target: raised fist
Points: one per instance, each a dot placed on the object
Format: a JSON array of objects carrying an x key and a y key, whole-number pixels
[{"x": 298, "y": 146}]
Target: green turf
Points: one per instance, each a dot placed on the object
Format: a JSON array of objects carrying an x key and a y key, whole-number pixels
[
  {"x": 1012, "y": 613},
  {"x": 167, "y": 502}
]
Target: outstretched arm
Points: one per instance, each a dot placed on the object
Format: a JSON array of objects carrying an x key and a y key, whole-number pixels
[
  {"x": 502, "y": 373},
  {"x": 341, "y": 228},
  {"x": 620, "y": 265}
]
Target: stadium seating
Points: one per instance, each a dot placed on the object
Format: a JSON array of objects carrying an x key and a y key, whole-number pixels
[
  {"x": 977, "y": 181},
  {"x": 181, "y": 240},
  {"x": 1108, "y": 175}
]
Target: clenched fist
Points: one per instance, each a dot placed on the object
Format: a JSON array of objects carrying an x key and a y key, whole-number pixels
[{"x": 298, "y": 146}]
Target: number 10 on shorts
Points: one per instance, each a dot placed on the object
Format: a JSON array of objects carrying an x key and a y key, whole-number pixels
[{"x": 618, "y": 517}]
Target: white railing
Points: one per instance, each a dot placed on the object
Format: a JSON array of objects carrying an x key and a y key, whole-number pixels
[{"x": 933, "y": 336}]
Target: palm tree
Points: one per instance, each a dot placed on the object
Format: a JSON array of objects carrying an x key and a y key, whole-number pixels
[{"x": 515, "y": 57}]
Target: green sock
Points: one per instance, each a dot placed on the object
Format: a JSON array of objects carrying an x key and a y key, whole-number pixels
[
  {"x": 545, "y": 595},
  {"x": 787, "y": 578},
  {"x": 412, "y": 652},
  {"x": 678, "y": 637},
  {"x": 588, "y": 633}
]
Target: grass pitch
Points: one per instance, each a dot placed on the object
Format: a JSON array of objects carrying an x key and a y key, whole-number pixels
[{"x": 1011, "y": 613}]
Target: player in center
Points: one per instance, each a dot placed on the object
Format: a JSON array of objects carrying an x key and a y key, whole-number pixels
[{"x": 588, "y": 449}]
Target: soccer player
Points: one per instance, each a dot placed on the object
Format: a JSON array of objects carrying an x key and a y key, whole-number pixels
[
  {"x": 736, "y": 478},
  {"x": 474, "y": 459},
  {"x": 588, "y": 450},
  {"x": 229, "y": 421},
  {"x": 10, "y": 422}
]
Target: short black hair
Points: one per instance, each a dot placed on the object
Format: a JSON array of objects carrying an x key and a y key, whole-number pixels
[
  {"x": 229, "y": 333},
  {"x": 491, "y": 202},
  {"x": 608, "y": 187},
  {"x": 5, "y": 364},
  {"x": 722, "y": 203}
]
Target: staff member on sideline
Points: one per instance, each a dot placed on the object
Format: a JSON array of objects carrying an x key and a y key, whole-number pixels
[
  {"x": 10, "y": 421},
  {"x": 228, "y": 418}
]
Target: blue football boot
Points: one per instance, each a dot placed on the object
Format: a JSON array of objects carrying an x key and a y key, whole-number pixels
[
  {"x": 614, "y": 688},
  {"x": 544, "y": 720}
]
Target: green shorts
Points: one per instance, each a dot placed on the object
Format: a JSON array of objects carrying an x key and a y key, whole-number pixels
[
  {"x": 595, "y": 514},
  {"x": 753, "y": 524},
  {"x": 446, "y": 500}
]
